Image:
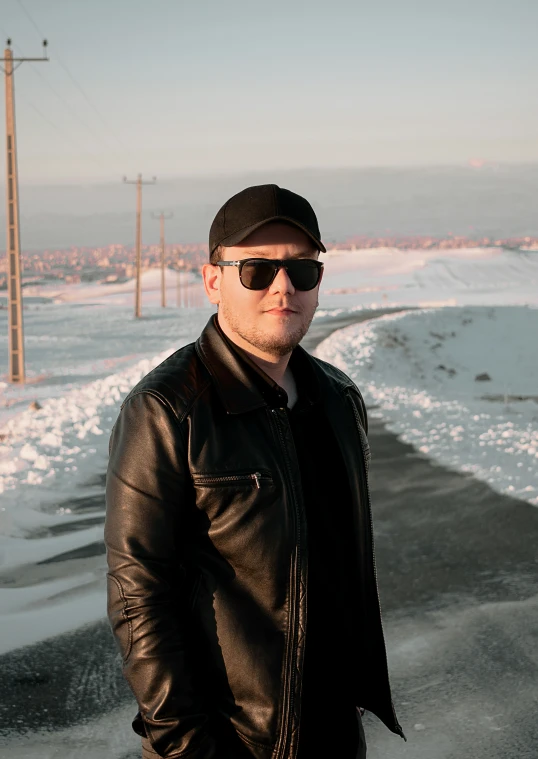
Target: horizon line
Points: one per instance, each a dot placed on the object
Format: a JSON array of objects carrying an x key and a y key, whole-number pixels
[{"x": 480, "y": 165}]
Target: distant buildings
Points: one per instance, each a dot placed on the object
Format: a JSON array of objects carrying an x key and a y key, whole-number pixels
[
  {"x": 105, "y": 264},
  {"x": 424, "y": 242},
  {"x": 115, "y": 263}
]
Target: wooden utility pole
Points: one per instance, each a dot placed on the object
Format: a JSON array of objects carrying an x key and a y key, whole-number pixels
[
  {"x": 162, "y": 216},
  {"x": 13, "y": 247},
  {"x": 179, "y": 287},
  {"x": 138, "y": 292}
]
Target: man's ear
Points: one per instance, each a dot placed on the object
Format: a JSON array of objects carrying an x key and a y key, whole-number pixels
[{"x": 211, "y": 275}]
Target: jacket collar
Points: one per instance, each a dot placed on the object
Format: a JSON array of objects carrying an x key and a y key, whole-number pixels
[{"x": 233, "y": 378}]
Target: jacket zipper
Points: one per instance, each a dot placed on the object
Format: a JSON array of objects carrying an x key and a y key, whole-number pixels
[
  {"x": 290, "y": 669},
  {"x": 194, "y": 591},
  {"x": 256, "y": 477},
  {"x": 372, "y": 543}
]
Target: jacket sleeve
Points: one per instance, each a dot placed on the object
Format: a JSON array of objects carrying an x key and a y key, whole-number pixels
[
  {"x": 361, "y": 407},
  {"x": 361, "y": 417},
  {"x": 146, "y": 496}
]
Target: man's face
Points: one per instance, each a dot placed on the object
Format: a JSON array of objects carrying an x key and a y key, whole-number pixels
[{"x": 269, "y": 322}]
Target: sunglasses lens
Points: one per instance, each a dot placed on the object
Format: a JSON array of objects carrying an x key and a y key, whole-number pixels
[
  {"x": 304, "y": 274},
  {"x": 257, "y": 275}
]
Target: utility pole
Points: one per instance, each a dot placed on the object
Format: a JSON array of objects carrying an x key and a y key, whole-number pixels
[
  {"x": 138, "y": 293},
  {"x": 13, "y": 247},
  {"x": 179, "y": 287},
  {"x": 162, "y": 216}
]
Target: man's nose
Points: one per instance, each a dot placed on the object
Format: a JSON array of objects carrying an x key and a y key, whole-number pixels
[{"x": 282, "y": 283}]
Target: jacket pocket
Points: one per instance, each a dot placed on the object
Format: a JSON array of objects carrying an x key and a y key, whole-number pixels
[
  {"x": 243, "y": 479},
  {"x": 235, "y": 501}
]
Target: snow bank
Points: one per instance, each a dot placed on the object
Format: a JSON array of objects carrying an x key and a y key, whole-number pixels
[
  {"x": 54, "y": 454},
  {"x": 459, "y": 384}
]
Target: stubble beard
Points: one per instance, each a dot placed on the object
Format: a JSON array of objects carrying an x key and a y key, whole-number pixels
[{"x": 274, "y": 345}]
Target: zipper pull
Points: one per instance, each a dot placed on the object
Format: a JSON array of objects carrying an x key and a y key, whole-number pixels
[{"x": 256, "y": 477}]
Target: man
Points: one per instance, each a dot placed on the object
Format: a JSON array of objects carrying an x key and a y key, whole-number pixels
[{"x": 242, "y": 585}]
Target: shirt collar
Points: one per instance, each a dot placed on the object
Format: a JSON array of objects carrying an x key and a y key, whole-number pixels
[{"x": 272, "y": 393}]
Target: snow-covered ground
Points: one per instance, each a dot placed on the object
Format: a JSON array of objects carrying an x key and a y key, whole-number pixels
[
  {"x": 460, "y": 384},
  {"x": 420, "y": 368},
  {"x": 179, "y": 286},
  {"x": 388, "y": 277},
  {"x": 85, "y": 359},
  {"x": 84, "y": 351}
]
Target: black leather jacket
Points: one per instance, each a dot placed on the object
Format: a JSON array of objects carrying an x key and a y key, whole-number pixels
[{"x": 206, "y": 545}]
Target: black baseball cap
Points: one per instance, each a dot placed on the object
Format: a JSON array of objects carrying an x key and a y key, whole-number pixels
[{"x": 255, "y": 206}]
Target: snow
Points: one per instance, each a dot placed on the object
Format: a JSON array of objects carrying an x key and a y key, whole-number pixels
[
  {"x": 488, "y": 298},
  {"x": 84, "y": 352},
  {"x": 381, "y": 277},
  {"x": 119, "y": 292},
  {"x": 49, "y": 454},
  {"x": 109, "y": 736},
  {"x": 38, "y": 612},
  {"x": 420, "y": 370}
]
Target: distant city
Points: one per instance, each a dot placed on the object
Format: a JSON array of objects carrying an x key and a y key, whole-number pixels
[
  {"x": 116, "y": 263},
  {"x": 109, "y": 264},
  {"x": 426, "y": 242}
]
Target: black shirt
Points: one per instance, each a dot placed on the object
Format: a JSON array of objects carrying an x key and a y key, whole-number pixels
[{"x": 328, "y": 713}]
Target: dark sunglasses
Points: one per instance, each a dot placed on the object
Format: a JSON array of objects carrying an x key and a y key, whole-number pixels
[{"x": 258, "y": 273}]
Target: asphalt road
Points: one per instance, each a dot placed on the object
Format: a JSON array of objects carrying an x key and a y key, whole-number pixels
[{"x": 458, "y": 574}]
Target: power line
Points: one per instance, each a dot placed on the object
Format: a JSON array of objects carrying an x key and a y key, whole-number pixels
[
  {"x": 38, "y": 30},
  {"x": 69, "y": 107},
  {"x": 72, "y": 110},
  {"x": 73, "y": 80},
  {"x": 92, "y": 106},
  {"x": 65, "y": 134}
]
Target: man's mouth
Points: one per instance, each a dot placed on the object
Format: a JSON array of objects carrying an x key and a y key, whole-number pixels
[{"x": 279, "y": 310}]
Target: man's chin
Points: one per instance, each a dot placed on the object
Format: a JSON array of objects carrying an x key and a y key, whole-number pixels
[
  {"x": 281, "y": 342},
  {"x": 273, "y": 335}
]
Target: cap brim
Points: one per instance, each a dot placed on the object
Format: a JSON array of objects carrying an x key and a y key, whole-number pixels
[{"x": 242, "y": 234}]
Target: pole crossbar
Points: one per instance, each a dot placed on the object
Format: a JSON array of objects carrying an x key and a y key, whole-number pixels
[{"x": 21, "y": 60}]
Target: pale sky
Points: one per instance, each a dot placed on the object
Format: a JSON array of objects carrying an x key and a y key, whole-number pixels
[{"x": 177, "y": 87}]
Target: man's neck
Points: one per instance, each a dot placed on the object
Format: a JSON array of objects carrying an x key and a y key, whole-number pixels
[{"x": 275, "y": 367}]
